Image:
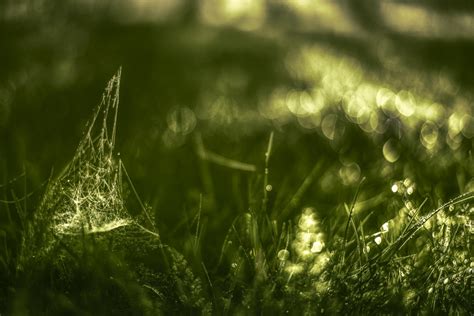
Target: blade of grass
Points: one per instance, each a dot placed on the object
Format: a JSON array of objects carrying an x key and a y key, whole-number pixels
[
  {"x": 296, "y": 198},
  {"x": 344, "y": 241},
  {"x": 142, "y": 206},
  {"x": 265, "y": 179},
  {"x": 210, "y": 156}
]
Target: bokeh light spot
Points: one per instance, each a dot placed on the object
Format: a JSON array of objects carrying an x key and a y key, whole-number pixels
[
  {"x": 429, "y": 135},
  {"x": 405, "y": 103},
  {"x": 317, "y": 247},
  {"x": 328, "y": 126},
  {"x": 391, "y": 151}
]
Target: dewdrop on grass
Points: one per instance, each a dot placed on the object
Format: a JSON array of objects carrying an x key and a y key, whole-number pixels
[
  {"x": 378, "y": 240},
  {"x": 283, "y": 255},
  {"x": 395, "y": 188},
  {"x": 367, "y": 249},
  {"x": 317, "y": 247},
  {"x": 407, "y": 182}
]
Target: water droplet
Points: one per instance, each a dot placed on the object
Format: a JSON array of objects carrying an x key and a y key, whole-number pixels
[
  {"x": 378, "y": 240},
  {"x": 234, "y": 265},
  {"x": 283, "y": 255},
  {"x": 317, "y": 247},
  {"x": 407, "y": 182},
  {"x": 390, "y": 150},
  {"x": 385, "y": 227},
  {"x": 395, "y": 188},
  {"x": 268, "y": 188}
]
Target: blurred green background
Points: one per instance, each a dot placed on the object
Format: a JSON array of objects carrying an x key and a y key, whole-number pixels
[{"x": 377, "y": 89}]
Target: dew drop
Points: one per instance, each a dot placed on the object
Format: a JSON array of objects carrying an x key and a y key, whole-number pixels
[
  {"x": 407, "y": 182},
  {"x": 283, "y": 255},
  {"x": 395, "y": 188},
  {"x": 378, "y": 240},
  {"x": 317, "y": 247}
]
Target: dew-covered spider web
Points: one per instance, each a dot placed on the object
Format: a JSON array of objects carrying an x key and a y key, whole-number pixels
[
  {"x": 87, "y": 196},
  {"x": 86, "y": 202}
]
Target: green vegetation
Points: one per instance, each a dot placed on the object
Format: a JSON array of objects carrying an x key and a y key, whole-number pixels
[
  {"x": 89, "y": 255},
  {"x": 233, "y": 170}
]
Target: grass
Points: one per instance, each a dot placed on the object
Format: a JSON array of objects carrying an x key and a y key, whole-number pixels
[{"x": 91, "y": 245}]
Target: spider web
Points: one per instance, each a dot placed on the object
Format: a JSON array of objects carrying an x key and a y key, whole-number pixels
[{"x": 87, "y": 196}]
